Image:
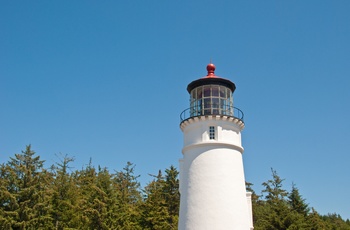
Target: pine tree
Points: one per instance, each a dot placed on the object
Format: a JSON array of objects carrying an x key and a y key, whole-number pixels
[
  {"x": 25, "y": 194},
  {"x": 109, "y": 197},
  {"x": 335, "y": 222},
  {"x": 161, "y": 203},
  {"x": 8, "y": 202},
  {"x": 275, "y": 193},
  {"x": 85, "y": 180},
  {"x": 172, "y": 195},
  {"x": 98, "y": 200},
  {"x": 315, "y": 222},
  {"x": 129, "y": 198},
  {"x": 64, "y": 196},
  {"x": 276, "y": 205},
  {"x": 155, "y": 213},
  {"x": 296, "y": 202}
]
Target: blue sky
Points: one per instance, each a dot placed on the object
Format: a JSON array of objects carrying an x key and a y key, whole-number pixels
[{"x": 107, "y": 80}]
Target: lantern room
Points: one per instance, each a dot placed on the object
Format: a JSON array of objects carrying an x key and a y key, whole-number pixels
[{"x": 211, "y": 95}]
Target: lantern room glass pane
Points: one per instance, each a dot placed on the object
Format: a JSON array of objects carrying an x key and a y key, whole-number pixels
[
  {"x": 193, "y": 94},
  {"x": 207, "y": 106},
  {"x": 199, "y": 107},
  {"x": 215, "y": 106},
  {"x": 215, "y": 103},
  {"x": 215, "y": 91},
  {"x": 223, "y": 106},
  {"x": 199, "y": 92},
  {"x": 207, "y": 103},
  {"x": 211, "y": 100},
  {"x": 207, "y": 91},
  {"x": 223, "y": 92}
]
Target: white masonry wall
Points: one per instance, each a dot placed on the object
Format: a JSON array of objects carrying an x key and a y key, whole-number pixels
[
  {"x": 212, "y": 183},
  {"x": 250, "y": 209}
]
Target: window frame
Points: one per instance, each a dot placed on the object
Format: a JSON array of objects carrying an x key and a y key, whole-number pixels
[{"x": 212, "y": 133}]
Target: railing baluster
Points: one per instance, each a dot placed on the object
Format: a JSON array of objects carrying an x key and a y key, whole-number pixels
[{"x": 227, "y": 111}]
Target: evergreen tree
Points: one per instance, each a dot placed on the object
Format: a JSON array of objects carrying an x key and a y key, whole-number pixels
[
  {"x": 296, "y": 202},
  {"x": 98, "y": 199},
  {"x": 65, "y": 196},
  {"x": 161, "y": 203},
  {"x": 106, "y": 199},
  {"x": 275, "y": 199},
  {"x": 25, "y": 194},
  {"x": 275, "y": 194},
  {"x": 172, "y": 195},
  {"x": 315, "y": 222},
  {"x": 275, "y": 212},
  {"x": 8, "y": 203},
  {"x": 129, "y": 198},
  {"x": 85, "y": 180},
  {"x": 335, "y": 222},
  {"x": 155, "y": 213}
]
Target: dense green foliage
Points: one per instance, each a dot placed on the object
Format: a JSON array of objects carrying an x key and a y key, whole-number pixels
[
  {"x": 277, "y": 209},
  {"x": 32, "y": 197}
]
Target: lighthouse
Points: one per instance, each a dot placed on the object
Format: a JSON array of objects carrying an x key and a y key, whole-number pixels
[{"x": 212, "y": 183}]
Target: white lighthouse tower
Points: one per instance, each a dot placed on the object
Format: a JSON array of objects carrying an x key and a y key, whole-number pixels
[{"x": 212, "y": 183}]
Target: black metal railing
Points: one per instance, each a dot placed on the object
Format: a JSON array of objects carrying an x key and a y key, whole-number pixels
[{"x": 196, "y": 111}]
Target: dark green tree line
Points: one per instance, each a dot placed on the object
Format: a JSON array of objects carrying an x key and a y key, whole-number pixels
[
  {"x": 278, "y": 209},
  {"x": 59, "y": 198}
]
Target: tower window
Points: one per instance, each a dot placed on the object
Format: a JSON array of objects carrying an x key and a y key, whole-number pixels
[{"x": 211, "y": 132}]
